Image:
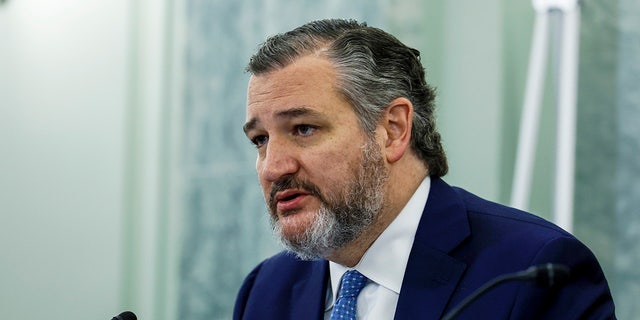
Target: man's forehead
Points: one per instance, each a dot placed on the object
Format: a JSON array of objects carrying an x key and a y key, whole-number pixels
[{"x": 298, "y": 84}]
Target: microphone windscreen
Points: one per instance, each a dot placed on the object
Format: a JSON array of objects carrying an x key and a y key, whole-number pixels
[{"x": 127, "y": 315}]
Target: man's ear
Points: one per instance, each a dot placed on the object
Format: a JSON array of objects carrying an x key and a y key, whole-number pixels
[{"x": 396, "y": 122}]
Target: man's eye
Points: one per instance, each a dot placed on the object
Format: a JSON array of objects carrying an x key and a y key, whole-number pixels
[
  {"x": 259, "y": 141},
  {"x": 305, "y": 129}
]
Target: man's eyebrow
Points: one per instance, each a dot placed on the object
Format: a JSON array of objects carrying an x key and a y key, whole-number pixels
[
  {"x": 287, "y": 114},
  {"x": 297, "y": 112},
  {"x": 249, "y": 125}
]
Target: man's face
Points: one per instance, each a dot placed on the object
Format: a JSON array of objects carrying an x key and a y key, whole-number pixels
[{"x": 321, "y": 175}]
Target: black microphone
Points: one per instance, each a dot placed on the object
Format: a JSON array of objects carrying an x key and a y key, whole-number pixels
[
  {"x": 127, "y": 315},
  {"x": 545, "y": 275}
]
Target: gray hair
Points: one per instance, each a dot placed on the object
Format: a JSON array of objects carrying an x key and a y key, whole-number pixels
[{"x": 373, "y": 69}]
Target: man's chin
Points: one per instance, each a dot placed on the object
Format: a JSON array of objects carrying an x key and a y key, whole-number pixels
[
  {"x": 292, "y": 233},
  {"x": 296, "y": 240}
]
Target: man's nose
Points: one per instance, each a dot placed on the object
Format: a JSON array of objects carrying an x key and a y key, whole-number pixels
[{"x": 279, "y": 160}]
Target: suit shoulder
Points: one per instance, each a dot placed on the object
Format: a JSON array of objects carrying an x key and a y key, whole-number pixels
[
  {"x": 504, "y": 240},
  {"x": 483, "y": 212}
]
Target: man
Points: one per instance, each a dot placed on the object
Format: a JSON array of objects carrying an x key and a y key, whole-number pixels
[{"x": 349, "y": 161}]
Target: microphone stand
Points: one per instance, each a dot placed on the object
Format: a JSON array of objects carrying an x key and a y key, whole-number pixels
[{"x": 566, "y": 59}]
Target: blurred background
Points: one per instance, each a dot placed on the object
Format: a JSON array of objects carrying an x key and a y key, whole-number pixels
[{"x": 126, "y": 181}]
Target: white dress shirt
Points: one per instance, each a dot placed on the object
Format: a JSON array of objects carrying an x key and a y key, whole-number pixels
[{"x": 384, "y": 263}]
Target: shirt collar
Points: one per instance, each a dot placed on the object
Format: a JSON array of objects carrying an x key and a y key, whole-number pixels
[{"x": 386, "y": 260}]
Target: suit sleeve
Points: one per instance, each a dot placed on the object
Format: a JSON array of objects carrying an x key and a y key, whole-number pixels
[{"x": 585, "y": 296}]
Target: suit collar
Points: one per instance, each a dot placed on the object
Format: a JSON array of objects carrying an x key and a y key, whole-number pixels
[
  {"x": 432, "y": 275},
  {"x": 444, "y": 223}
]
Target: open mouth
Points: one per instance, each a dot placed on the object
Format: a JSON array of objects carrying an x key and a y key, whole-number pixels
[
  {"x": 289, "y": 200},
  {"x": 289, "y": 197}
]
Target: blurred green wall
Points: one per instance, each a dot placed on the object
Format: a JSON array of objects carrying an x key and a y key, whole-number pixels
[{"x": 476, "y": 54}]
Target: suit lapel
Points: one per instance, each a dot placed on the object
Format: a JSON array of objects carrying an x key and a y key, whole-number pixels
[
  {"x": 307, "y": 292},
  {"x": 432, "y": 275}
]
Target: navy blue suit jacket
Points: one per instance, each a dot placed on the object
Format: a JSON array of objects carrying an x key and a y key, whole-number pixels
[{"x": 461, "y": 243}]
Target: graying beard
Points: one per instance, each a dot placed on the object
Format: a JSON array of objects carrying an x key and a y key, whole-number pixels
[{"x": 333, "y": 228}]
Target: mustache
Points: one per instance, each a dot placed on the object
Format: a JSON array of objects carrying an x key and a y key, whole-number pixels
[{"x": 292, "y": 182}]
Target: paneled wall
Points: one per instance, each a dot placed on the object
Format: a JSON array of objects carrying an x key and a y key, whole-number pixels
[{"x": 608, "y": 151}]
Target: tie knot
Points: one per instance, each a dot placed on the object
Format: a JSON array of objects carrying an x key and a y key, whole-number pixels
[{"x": 352, "y": 283}]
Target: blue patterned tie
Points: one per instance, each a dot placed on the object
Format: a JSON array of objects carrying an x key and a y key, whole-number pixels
[{"x": 345, "y": 306}]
